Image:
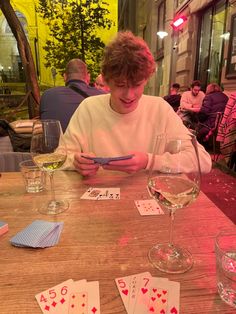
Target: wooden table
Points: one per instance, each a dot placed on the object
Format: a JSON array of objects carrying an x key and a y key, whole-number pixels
[{"x": 104, "y": 240}]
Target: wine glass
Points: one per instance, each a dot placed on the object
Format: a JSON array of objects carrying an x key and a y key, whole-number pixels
[
  {"x": 49, "y": 156},
  {"x": 174, "y": 181}
]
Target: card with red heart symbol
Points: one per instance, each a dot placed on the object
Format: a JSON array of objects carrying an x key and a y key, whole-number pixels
[
  {"x": 164, "y": 297},
  {"x": 143, "y": 294}
]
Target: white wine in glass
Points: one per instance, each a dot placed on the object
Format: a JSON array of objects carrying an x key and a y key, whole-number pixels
[
  {"x": 49, "y": 156},
  {"x": 174, "y": 181}
]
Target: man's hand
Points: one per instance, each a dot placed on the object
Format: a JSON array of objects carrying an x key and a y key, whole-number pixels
[
  {"x": 85, "y": 166},
  {"x": 137, "y": 162}
]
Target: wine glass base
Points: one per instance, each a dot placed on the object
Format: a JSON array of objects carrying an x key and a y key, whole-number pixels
[
  {"x": 170, "y": 259},
  {"x": 54, "y": 207}
]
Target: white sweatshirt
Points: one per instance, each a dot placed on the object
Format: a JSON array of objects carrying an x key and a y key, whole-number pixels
[{"x": 96, "y": 127}]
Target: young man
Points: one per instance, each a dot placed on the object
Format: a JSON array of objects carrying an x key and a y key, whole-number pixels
[
  {"x": 192, "y": 100},
  {"x": 61, "y": 102},
  {"x": 190, "y": 104},
  {"x": 174, "y": 97},
  {"x": 124, "y": 121}
]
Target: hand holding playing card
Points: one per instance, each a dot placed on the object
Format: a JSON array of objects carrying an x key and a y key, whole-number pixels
[
  {"x": 85, "y": 166},
  {"x": 137, "y": 162}
]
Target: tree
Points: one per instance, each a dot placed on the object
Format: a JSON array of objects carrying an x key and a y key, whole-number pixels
[
  {"x": 73, "y": 27},
  {"x": 32, "y": 86}
]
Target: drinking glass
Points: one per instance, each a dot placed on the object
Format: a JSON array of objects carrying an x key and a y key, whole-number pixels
[
  {"x": 174, "y": 181},
  {"x": 49, "y": 154}
]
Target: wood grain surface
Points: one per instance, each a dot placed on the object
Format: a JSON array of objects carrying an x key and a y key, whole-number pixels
[{"x": 104, "y": 240}]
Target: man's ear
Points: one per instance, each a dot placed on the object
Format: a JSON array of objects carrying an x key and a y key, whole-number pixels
[{"x": 65, "y": 77}]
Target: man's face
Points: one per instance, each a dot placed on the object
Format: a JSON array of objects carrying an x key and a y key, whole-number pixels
[
  {"x": 195, "y": 90},
  {"x": 124, "y": 95}
]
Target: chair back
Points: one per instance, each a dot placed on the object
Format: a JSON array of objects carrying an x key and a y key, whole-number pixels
[
  {"x": 9, "y": 161},
  {"x": 213, "y": 131}
]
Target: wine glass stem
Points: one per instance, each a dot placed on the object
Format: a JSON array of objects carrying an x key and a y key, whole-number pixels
[
  {"x": 172, "y": 215},
  {"x": 51, "y": 177}
]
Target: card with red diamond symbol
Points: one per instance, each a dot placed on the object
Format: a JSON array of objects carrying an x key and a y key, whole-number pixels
[
  {"x": 71, "y": 297},
  {"x": 143, "y": 294}
]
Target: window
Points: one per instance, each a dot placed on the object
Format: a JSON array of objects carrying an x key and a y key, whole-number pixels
[{"x": 210, "y": 54}]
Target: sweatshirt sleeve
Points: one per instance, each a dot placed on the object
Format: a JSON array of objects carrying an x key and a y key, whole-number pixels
[{"x": 75, "y": 137}]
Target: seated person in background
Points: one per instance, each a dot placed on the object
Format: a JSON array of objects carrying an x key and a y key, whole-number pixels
[
  {"x": 214, "y": 101},
  {"x": 174, "y": 97},
  {"x": 60, "y": 102},
  {"x": 190, "y": 104},
  {"x": 100, "y": 84},
  {"x": 124, "y": 121}
]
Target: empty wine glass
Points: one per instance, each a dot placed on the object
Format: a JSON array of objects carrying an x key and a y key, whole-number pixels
[
  {"x": 49, "y": 156},
  {"x": 174, "y": 181}
]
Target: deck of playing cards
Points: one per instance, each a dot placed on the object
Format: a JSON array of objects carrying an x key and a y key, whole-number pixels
[
  {"x": 101, "y": 194},
  {"x": 144, "y": 294},
  {"x": 71, "y": 297},
  {"x": 39, "y": 234}
]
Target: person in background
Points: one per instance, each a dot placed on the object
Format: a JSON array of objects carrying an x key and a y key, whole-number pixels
[
  {"x": 190, "y": 104},
  {"x": 61, "y": 102},
  {"x": 125, "y": 121},
  {"x": 214, "y": 101},
  {"x": 100, "y": 84},
  {"x": 174, "y": 97}
]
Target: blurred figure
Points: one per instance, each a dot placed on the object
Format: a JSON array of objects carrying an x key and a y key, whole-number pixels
[
  {"x": 174, "y": 97},
  {"x": 214, "y": 101},
  {"x": 100, "y": 84},
  {"x": 190, "y": 104},
  {"x": 227, "y": 132},
  {"x": 60, "y": 102}
]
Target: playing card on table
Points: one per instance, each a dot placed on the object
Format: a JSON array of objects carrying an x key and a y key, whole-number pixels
[
  {"x": 123, "y": 285},
  {"x": 78, "y": 301},
  {"x": 3, "y": 227},
  {"x": 143, "y": 295},
  {"x": 148, "y": 207},
  {"x": 56, "y": 299},
  {"x": 164, "y": 297},
  {"x": 139, "y": 284},
  {"x": 39, "y": 234},
  {"x": 101, "y": 194},
  {"x": 85, "y": 298},
  {"x": 129, "y": 286}
]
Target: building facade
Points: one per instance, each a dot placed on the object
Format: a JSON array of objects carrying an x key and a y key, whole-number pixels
[{"x": 203, "y": 47}]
